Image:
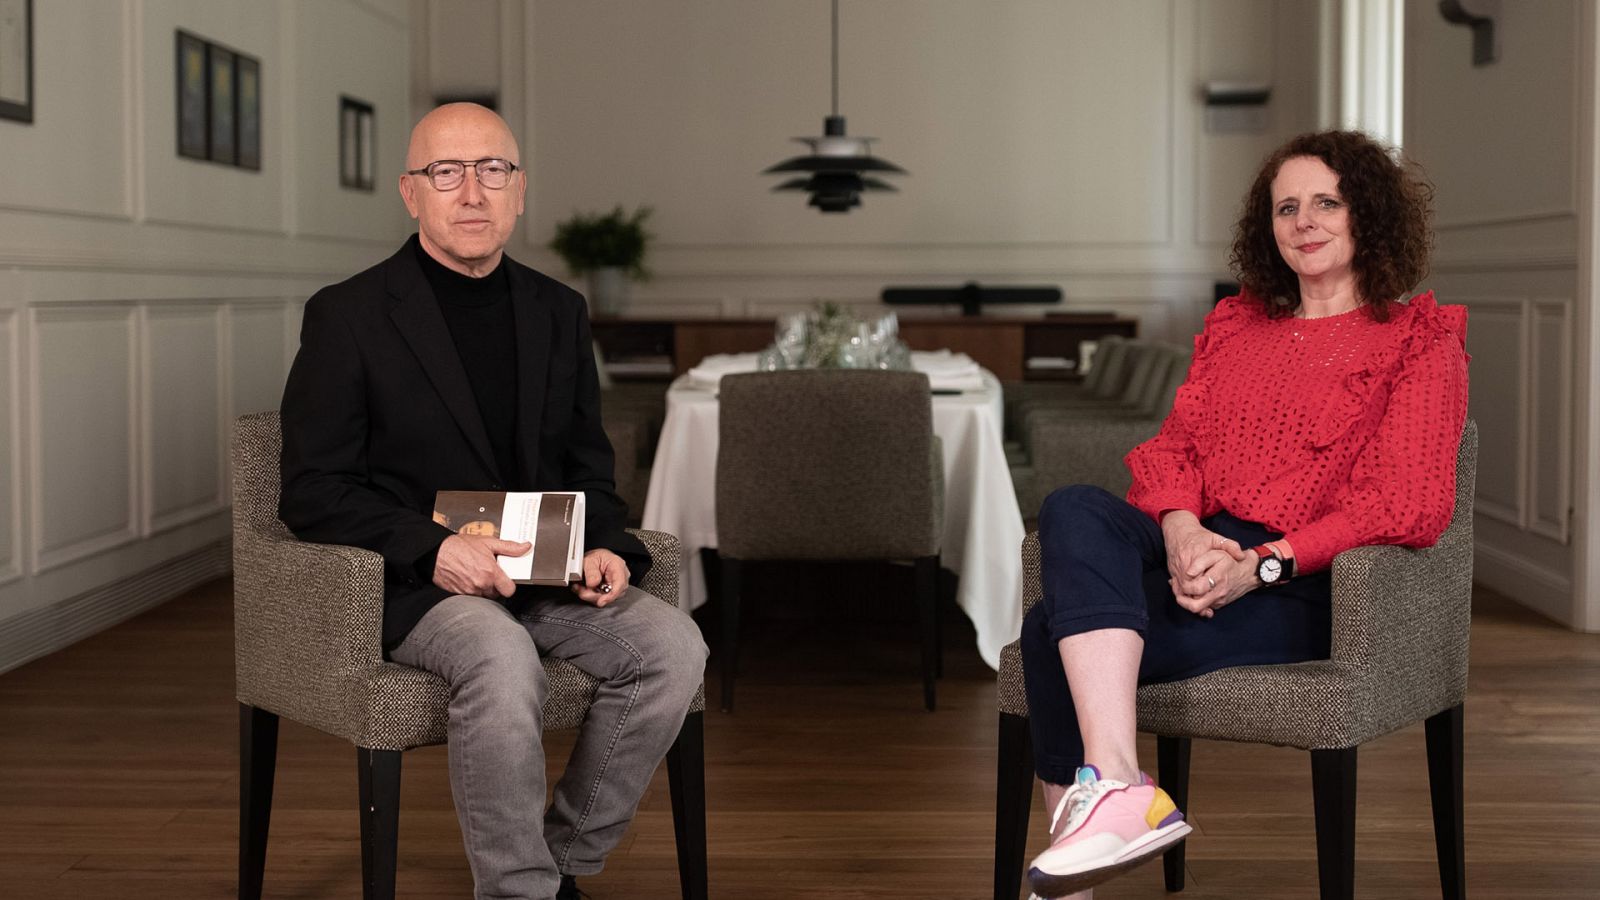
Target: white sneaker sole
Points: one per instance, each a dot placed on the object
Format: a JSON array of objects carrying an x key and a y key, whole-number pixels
[{"x": 1087, "y": 874}]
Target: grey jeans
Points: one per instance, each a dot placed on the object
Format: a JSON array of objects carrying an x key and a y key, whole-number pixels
[{"x": 649, "y": 658}]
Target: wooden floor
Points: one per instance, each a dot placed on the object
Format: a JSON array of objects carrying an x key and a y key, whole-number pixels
[{"x": 118, "y": 779}]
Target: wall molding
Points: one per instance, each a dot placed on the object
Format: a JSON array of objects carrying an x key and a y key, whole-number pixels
[
  {"x": 37, "y": 632},
  {"x": 1540, "y": 588},
  {"x": 155, "y": 521},
  {"x": 1505, "y": 261},
  {"x": 117, "y": 535},
  {"x": 1554, "y": 524},
  {"x": 11, "y": 387},
  {"x": 1513, "y": 217}
]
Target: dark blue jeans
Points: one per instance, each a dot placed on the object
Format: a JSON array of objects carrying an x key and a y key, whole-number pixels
[{"x": 1105, "y": 566}]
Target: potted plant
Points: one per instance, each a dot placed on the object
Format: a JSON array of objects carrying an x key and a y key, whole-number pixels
[{"x": 609, "y": 249}]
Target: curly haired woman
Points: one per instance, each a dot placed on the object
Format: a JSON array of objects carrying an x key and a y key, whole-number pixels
[{"x": 1320, "y": 413}]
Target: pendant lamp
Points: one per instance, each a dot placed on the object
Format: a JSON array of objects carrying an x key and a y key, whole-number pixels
[{"x": 837, "y": 166}]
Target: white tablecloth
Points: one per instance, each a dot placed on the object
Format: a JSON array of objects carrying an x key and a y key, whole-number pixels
[{"x": 982, "y": 539}]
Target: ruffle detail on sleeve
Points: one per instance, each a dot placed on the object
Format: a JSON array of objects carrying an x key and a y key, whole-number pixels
[
  {"x": 1430, "y": 321},
  {"x": 1345, "y": 408},
  {"x": 1230, "y": 316}
]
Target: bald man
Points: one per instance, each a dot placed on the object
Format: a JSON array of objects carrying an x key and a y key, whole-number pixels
[{"x": 449, "y": 366}]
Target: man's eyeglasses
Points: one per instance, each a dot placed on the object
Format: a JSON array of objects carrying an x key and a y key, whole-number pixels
[{"x": 448, "y": 174}]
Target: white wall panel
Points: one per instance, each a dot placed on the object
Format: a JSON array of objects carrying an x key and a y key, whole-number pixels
[
  {"x": 1496, "y": 399},
  {"x": 1513, "y": 118},
  {"x": 120, "y": 354},
  {"x": 327, "y": 64},
  {"x": 10, "y": 450},
  {"x": 196, "y": 192},
  {"x": 1550, "y": 425},
  {"x": 183, "y": 426},
  {"x": 71, "y": 159},
  {"x": 256, "y": 339},
  {"x": 1032, "y": 122},
  {"x": 1499, "y": 142},
  {"x": 84, "y": 448}
]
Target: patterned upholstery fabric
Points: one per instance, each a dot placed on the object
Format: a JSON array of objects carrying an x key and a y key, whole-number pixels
[
  {"x": 1105, "y": 382},
  {"x": 825, "y": 464},
  {"x": 1086, "y": 445},
  {"x": 307, "y": 620},
  {"x": 1400, "y": 634}
]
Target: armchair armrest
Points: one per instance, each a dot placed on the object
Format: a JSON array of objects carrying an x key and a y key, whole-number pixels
[
  {"x": 308, "y": 620},
  {"x": 1399, "y": 612},
  {"x": 666, "y": 558}
]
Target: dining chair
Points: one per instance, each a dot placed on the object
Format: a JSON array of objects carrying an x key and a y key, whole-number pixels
[
  {"x": 828, "y": 465},
  {"x": 1105, "y": 381},
  {"x": 1085, "y": 445},
  {"x": 307, "y": 623},
  {"x": 1401, "y": 619}
]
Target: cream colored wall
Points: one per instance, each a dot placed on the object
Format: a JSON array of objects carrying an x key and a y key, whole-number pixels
[
  {"x": 1055, "y": 142},
  {"x": 1500, "y": 143},
  {"x": 145, "y": 299}
]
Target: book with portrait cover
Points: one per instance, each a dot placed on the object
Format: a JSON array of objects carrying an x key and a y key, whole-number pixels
[{"x": 550, "y": 520}]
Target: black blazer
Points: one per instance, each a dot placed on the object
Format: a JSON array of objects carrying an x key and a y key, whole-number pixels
[{"x": 378, "y": 415}]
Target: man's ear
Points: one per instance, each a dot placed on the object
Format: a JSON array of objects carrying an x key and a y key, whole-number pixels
[
  {"x": 408, "y": 193},
  {"x": 522, "y": 189}
]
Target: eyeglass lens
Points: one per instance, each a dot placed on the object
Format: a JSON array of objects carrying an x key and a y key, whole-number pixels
[{"x": 447, "y": 174}]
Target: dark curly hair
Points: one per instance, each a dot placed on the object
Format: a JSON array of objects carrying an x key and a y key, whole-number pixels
[{"x": 1390, "y": 205}]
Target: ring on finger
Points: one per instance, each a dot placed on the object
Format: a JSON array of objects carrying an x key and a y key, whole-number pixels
[{"x": 1212, "y": 582}]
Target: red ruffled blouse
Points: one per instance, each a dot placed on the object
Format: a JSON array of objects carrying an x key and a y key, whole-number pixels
[{"x": 1338, "y": 432}]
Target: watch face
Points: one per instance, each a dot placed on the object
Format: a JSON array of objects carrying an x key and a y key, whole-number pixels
[{"x": 1271, "y": 569}]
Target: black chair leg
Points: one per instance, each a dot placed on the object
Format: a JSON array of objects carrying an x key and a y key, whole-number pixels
[
  {"x": 1172, "y": 771},
  {"x": 1333, "y": 786},
  {"x": 928, "y": 612},
  {"x": 1013, "y": 798},
  {"x": 378, "y": 772},
  {"x": 1444, "y": 779},
  {"x": 731, "y": 576},
  {"x": 258, "y": 762},
  {"x": 686, "y": 777}
]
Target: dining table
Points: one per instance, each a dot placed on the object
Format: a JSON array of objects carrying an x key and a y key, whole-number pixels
[{"x": 983, "y": 531}]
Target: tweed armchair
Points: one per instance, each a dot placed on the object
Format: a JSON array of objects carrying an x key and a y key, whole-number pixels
[
  {"x": 307, "y": 620},
  {"x": 1400, "y": 634},
  {"x": 828, "y": 464},
  {"x": 1105, "y": 382},
  {"x": 1086, "y": 445}
]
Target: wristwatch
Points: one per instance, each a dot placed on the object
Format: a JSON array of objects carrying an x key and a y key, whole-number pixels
[{"x": 1272, "y": 568}]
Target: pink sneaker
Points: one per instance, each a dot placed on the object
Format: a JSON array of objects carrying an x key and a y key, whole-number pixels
[{"x": 1110, "y": 828}]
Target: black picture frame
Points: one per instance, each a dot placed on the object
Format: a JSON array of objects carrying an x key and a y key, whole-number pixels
[
  {"x": 221, "y": 102},
  {"x": 247, "y": 116},
  {"x": 16, "y": 60},
  {"x": 192, "y": 104},
  {"x": 357, "y": 144}
]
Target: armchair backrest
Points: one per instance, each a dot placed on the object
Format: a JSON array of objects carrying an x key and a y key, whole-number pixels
[
  {"x": 826, "y": 464},
  {"x": 1106, "y": 374},
  {"x": 257, "y": 448}
]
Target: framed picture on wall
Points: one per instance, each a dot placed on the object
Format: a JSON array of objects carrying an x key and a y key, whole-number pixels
[
  {"x": 357, "y": 144},
  {"x": 248, "y": 84},
  {"x": 16, "y": 60},
  {"x": 193, "y": 132},
  {"x": 224, "y": 136}
]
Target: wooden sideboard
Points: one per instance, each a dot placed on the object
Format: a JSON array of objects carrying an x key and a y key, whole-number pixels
[{"x": 1013, "y": 348}]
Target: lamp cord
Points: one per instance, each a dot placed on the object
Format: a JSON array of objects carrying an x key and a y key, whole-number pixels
[{"x": 836, "y": 57}]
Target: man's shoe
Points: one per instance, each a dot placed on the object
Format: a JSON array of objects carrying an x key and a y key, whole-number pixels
[
  {"x": 1111, "y": 827},
  {"x": 569, "y": 889}
]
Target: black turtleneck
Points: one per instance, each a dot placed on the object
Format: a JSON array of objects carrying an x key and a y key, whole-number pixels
[{"x": 478, "y": 312}]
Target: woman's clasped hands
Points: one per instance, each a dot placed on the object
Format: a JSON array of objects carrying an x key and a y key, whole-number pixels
[{"x": 1207, "y": 571}]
